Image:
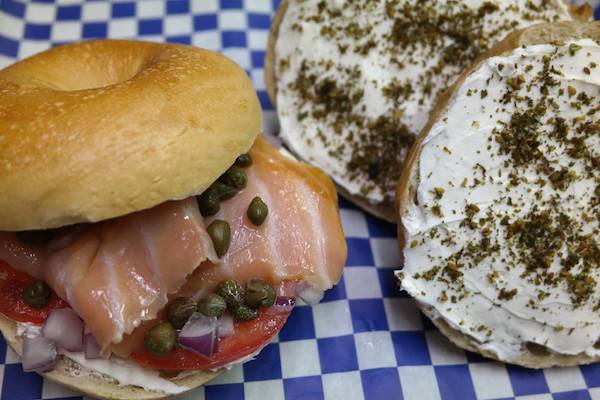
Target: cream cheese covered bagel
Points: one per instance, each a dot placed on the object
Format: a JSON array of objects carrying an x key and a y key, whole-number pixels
[
  {"x": 499, "y": 202},
  {"x": 150, "y": 237},
  {"x": 354, "y": 82}
]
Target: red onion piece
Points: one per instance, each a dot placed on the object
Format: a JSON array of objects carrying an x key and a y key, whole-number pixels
[
  {"x": 225, "y": 326},
  {"x": 309, "y": 294},
  {"x": 283, "y": 304},
  {"x": 65, "y": 329},
  {"x": 200, "y": 335},
  {"x": 39, "y": 354},
  {"x": 91, "y": 347}
]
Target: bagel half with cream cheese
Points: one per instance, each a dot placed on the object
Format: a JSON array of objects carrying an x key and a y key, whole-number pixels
[
  {"x": 354, "y": 83},
  {"x": 499, "y": 202},
  {"x": 149, "y": 236}
]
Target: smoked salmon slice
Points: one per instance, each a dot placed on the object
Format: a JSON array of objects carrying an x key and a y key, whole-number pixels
[{"x": 120, "y": 273}]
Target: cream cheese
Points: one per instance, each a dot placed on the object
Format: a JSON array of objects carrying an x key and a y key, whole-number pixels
[
  {"x": 356, "y": 81},
  {"x": 503, "y": 234}
]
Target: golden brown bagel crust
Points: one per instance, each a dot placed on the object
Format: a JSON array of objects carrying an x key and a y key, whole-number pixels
[
  {"x": 99, "y": 129},
  {"x": 76, "y": 377},
  {"x": 558, "y": 32},
  {"x": 384, "y": 210}
]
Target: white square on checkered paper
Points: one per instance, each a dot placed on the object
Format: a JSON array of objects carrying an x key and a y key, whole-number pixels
[
  {"x": 545, "y": 396},
  {"x": 332, "y": 319},
  {"x": 240, "y": 55},
  {"x": 419, "y": 383},
  {"x": 209, "y": 40},
  {"x": 66, "y": 31},
  {"x": 40, "y": 13},
  {"x": 178, "y": 25},
  {"x": 374, "y": 350},
  {"x": 5, "y": 61},
  {"x": 257, "y": 40},
  {"x": 122, "y": 28},
  {"x": 233, "y": 20},
  {"x": 362, "y": 283},
  {"x": 354, "y": 223},
  {"x": 443, "y": 352},
  {"x": 11, "y": 27},
  {"x": 595, "y": 393},
  {"x": 30, "y": 47},
  {"x": 299, "y": 358},
  {"x": 342, "y": 386},
  {"x": 204, "y": 6},
  {"x": 386, "y": 252},
  {"x": 151, "y": 9},
  {"x": 97, "y": 11},
  {"x": 272, "y": 389},
  {"x": 402, "y": 314},
  {"x": 490, "y": 380},
  {"x": 564, "y": 379},
  {"x": 258, "y": 6}
]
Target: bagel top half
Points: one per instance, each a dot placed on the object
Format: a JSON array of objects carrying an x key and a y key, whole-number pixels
[
  {"x": 499, "y": 202},
  {"x": 101, "y": 129},
  {"x": 354, "y": 82}
]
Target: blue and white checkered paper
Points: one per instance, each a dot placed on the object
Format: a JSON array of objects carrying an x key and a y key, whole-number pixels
[{"x": 366, "y": 340}]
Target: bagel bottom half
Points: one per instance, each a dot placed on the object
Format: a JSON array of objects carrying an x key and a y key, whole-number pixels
[
  {"x": 76, "y": 377},
  {"x": 533, "y": 355}
]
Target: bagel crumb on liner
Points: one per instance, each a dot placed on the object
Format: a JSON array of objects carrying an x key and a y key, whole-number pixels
[
  {"x": 150, "y": 237},
  {"x": 498, "y": 202},
  {"x": 353, "y": 83}
]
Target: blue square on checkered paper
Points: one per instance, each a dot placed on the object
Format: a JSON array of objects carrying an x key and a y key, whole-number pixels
[
  {"x": 381, "y": 383},
  {"x": 68, "y": 13},
  {"x": 359, "y": 252},
  {"x": 265, "y": 102},
  {"x": 368, "y": 315},
  {"x": 184, "y": 39},
  {"x": 94, "y": 30},
  {"x": 411, "y": 348},
  {"x": 389, "y": 283},
  {"x": 381, "y": 228},
  {"x": 259, "y": 21},
  {"x": 300, "y": 325},
  {"x": 427, "y": 324},
  {"x": 597, "y": 13},
  {"x": 337, "y": 292},
  {"x": 455, "y": 382},
  {"x": 205, "y": 22},
  {"x": 304, "y": 388},
  {"x": 231, "y": 4},
  {"x": 234, "y": 39},
  {"x": 266, "y": 366},
  {"x": 527, "y": 381},
  {"x": 13, "y": 8},
  {"x": 37, "y": 31},
  {"x": 573, "y": 395},
  {"x": 19, "y": 385},
  {"x": 123, "y": 10},
  {"x": 150, "y": 27},
  {"x": 257, "y": 58},
  {"x": 591, "y": 374},
  {"x": 337, "y": 354},
  {"x": 220, "y": 392},
  {"x": 9, "y": 47},
  {"x": 178, "y": 7},
  {"x": 2, "y": 349}
]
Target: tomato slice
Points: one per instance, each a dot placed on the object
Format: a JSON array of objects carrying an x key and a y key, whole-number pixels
[
  {"x": 12, "y": 304},
  {"x": 249, "y": 337}
]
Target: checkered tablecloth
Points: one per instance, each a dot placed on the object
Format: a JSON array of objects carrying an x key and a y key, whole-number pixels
[{"x": 366, "y": 340}]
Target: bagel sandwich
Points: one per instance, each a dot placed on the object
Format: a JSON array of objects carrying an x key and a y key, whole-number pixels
[
  {"x": 354, "y": 82},
  {"x": 150, "y": 237},
  {"x": 499, "y": 202}
]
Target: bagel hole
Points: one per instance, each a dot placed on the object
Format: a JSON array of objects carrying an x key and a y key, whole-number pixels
[{"x": 537, "y": 349}]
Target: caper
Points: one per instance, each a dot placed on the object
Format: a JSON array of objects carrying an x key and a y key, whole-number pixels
[
  {"x": 212, "y": 305},
  {"x": 220, "y": 233},
  {"x": 231, "y": 291},
  {"x": 208, "y": 202},
  {"x": 161, "y": 339},
  {"x": 244, "y": 160},
  {"x": 259, "y": 294},
  {"x": 223, "y": 191},
  {"x": 245, "y": 313},
  {"x": 257, "y": 211},
  {"x": 180, "y": 310},
  {"x": 37, "y": 294},
  {"x": 234, "y": 177},
  {"x": 35, "y": 238}
]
